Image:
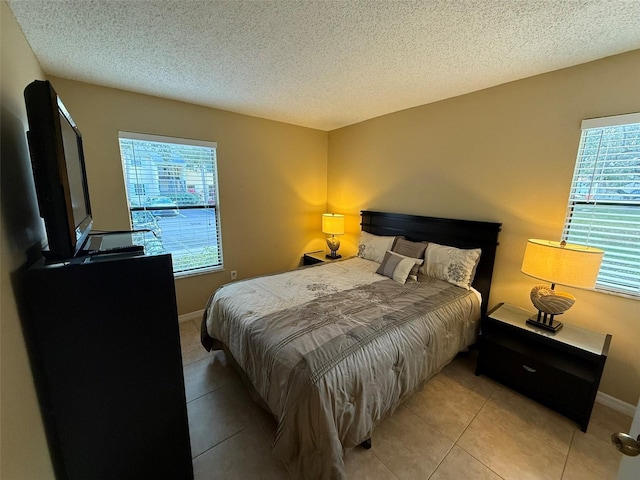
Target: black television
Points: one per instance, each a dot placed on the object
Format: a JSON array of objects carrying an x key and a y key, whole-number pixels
[{"x": 57, "y": 160}]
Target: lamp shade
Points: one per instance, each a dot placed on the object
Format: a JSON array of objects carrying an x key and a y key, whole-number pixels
[
  {"x": 333, "y": 223},
  {"x": 562, "y": 263}
]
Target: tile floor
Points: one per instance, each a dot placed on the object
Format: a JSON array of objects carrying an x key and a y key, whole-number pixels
[{"x": 458, "y": 427}]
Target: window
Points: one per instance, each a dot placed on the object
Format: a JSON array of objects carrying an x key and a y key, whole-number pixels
[
  {"x": 172, "y": 191},
  {"x": 604, "y": 202}
]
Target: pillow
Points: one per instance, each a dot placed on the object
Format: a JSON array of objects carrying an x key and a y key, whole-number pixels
[
  {"x": 410, "y": 249},
  {"x": 372, "y": 247},
  {"x": 453, "y": 265},
  {"x": 397, "y": 266}
]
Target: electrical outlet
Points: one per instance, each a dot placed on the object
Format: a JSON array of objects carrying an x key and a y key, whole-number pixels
[{"x": 234, "y": 274}]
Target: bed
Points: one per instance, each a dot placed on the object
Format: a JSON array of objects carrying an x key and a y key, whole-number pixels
[{"x": 332, "y": 349}]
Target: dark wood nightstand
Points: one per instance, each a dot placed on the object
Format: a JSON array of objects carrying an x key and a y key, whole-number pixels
[
  {"x": 320, "y": 256},
  {"x": 561, "y": 370}
]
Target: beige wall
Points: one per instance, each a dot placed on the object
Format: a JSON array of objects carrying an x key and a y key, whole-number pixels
[
  {"x": 272, "y": 177},
  {"x": 504, "y": 154},
  {"x": 23, "y": 446}
]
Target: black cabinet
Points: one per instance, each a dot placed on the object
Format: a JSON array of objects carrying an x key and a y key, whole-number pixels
[
  {"x": 105, "y": 351},
  {"x": 561, "y": 370},
  {"x": 320, "y": 256},
  {"x": 313, "y": 257}
]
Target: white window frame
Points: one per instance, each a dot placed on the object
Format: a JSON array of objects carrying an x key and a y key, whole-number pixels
[
  {"x": 194, "y": 251},
  {"x": 604, "y": 202}
]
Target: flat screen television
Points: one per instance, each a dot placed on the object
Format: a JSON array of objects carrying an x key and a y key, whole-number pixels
[{"x": 57, "y": 160}]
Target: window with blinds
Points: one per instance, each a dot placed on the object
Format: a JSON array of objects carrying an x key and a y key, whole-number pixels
[
  {"x": 604, "y": 202},
  {"x": 172, "y": 190}
]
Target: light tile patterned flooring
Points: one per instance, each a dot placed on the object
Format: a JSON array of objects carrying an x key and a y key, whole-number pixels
[{"x": 458, "y": 427}]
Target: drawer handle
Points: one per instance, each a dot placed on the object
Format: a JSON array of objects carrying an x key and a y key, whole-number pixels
[{"x": 529, "y": 369}]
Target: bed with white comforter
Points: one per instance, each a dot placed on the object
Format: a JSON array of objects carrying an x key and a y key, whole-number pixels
[{"x": 334, "y": 348}]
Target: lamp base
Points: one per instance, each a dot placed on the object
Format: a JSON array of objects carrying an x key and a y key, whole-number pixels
[
  {"x": 334, "y": 244},
  {"x": 545, "y": 321}
]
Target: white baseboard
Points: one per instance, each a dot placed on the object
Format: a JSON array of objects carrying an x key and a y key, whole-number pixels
[
  {"x": 615, "y": 404},
  {"x": 197, "y": 316}
]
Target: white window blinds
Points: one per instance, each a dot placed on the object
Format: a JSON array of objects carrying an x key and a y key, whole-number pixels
[
  {"x": 172, "y": 190},
  {"x": 604, "y": 201}
]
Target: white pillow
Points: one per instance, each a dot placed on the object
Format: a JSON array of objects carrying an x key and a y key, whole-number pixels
[
  {"x": 454, "y": 265},
  {"x": 397, "y": 266},
  {"x": 373, "y": 247}
]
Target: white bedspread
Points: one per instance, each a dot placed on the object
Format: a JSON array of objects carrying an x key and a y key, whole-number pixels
[{"x": 334, "y": 348}]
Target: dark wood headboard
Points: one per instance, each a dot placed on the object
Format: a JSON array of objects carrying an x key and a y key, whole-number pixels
[{"x": 444, "y": 231}]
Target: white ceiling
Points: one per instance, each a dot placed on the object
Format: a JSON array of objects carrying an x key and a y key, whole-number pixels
[{"x": 320, "y": 64}]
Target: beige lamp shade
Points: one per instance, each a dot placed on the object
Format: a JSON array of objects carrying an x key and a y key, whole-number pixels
[
  {"x": 562, "y": 263},
  {"x": 333, "y": 224}
]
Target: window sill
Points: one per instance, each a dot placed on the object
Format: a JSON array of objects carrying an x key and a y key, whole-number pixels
[{"x": 200, "y": 271}]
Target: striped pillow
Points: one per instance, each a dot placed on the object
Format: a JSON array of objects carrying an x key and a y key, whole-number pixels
[
  {"x": 397, "y": 266},
  {"x": 410, "y": 249}
]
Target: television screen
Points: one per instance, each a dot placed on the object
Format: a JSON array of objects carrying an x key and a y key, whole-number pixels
[
  {"x": 57, "y": 160},
  {"x": 75, "y": 171}
]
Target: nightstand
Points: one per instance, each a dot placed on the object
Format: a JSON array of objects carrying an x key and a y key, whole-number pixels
[
  {"x": 561, "y": 370},
  {"x": 320, "y": 256}
]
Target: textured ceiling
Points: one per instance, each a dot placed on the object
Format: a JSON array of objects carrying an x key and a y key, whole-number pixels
[{"x": 320, "y": 64}]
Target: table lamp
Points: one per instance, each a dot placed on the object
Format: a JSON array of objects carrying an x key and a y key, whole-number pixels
[
  {"x": 333, "y": 224},
  {"x": 562, "y": 263}
]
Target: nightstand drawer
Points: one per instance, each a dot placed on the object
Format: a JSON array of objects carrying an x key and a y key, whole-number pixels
[{"x": 535, "y": 378}]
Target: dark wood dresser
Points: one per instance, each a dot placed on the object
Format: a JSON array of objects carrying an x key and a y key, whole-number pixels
[{"x": 105, "y": 352}]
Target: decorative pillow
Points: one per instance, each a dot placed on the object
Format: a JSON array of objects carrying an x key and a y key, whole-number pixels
[
  {"x": 397, "y": 266},
  {"x": 410, "y": 249},
  {"x": 372, "y": 247},
  {"x": 453, "y": 265}
]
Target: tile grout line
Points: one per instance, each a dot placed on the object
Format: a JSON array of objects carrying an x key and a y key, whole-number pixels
[
  {"x": 385, "y": 465},
  {"x": 454, "y": 442},
  {"x": 484, "y": 404},
  {"x": 465, "y": 429},
  {"x": 566, "y": 460},
  {"x": 443, "y": 459},
  {"x": 219, "y": 387},
  {"x": 474, "y": 417},
  {"x": 197, "y": 360},
  {"x": 220, "y": 442}
]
